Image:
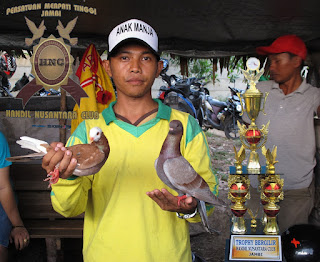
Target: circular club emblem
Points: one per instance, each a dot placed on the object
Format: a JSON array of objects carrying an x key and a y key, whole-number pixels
[{"x": 51, "y": 63}]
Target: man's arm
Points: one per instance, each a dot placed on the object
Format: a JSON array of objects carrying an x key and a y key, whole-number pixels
[
  {"x": 70, "y": 194},
  {"x": 69, "y": 197},
  {"x": 19, "y": 233}
]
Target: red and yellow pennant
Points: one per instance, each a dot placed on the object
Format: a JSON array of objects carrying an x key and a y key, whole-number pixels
[{"x": 96, "y": 83}]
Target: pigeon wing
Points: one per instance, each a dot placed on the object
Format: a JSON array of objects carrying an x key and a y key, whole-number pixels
[
  {"x": 87, "y": 155},
  {"x": 182, "y": 175},
  {"x": 246, "y": 74},
  {"x": 71, "y": 25},
  {"x": 258, "y": 75},
  {"x": 33, "y": 28},
  {"x": 263, "y": 150},
  {"x": 242, "y": 153},
  {"x": 158, "y": 164},
  {"x": 235, "y": 152},
  {"x": 60, "y": 24},
  {"x": 274, "y": 152}
]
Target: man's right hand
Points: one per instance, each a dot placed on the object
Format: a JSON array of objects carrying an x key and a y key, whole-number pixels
[{"x": 58, "y": 154}]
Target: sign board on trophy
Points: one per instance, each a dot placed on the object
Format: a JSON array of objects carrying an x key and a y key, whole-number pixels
[{"x": 255, "y": 248}]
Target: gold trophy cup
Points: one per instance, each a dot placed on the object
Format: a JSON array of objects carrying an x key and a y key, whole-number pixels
[
  {"x": 252, "y": 137},
  {"x": 271, "y": 192},
  {"x": 238, "y": 194}
]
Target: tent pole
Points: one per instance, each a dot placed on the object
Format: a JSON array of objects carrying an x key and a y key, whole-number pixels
[{"x": 62, "y": 122}]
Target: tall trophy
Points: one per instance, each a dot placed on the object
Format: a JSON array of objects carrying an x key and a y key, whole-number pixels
[{"x": 252, "y": 138}]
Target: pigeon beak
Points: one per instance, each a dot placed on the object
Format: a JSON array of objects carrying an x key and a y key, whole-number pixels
[{"x": 91, "y": 139}]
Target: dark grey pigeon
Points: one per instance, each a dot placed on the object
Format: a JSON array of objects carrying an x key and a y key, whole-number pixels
[{"x": 177, "y": 173}]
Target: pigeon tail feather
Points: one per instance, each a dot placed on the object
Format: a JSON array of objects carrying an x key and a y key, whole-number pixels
[
  {"x": 25, "y": 158},
  {"x": 33, "y": 144},
  {"x": 204, "y": 218},
  {"x": 28, "y": 41},
  {"x": 73, "y": 41}
]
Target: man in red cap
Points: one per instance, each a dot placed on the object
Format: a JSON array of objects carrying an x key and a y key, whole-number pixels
[{"x": 290, "y": 107}]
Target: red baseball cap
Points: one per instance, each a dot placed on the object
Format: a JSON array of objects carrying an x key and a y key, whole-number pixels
[{"x": 287, "y": 43}]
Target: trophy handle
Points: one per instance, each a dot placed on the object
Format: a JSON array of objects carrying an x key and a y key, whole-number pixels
[
  {"x": 264, "y": 103},
  {"x": 241, "y": 103}
]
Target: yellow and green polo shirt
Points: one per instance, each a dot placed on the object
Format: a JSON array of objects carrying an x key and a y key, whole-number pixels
[{"x": 121, "y": 222}]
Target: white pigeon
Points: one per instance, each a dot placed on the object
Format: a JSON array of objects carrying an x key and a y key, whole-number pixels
[{"x": 90, "y": 157}]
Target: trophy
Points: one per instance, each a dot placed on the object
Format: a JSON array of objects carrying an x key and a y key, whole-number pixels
[
  {"x": 254, "y": 138},
  {"x": 271, "y": 192},
  {"x": 238, "y": 193}
]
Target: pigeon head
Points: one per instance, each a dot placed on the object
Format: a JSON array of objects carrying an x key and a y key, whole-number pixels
[
  {"x": 95, "y": 134},
  {"x": 175, "y": 127}
]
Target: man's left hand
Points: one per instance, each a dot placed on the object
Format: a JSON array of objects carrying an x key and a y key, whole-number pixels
[
  {"x": 169, "y": 202},
  {"x": 20, "y": 237}
]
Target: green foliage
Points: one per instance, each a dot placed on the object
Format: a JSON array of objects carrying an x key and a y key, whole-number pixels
[
  {"x": 196, "y": 67},
  {"x": 234, "y": 67},
  {"x": 201, "y": 68},
  {"x": 204, "y": 68}
]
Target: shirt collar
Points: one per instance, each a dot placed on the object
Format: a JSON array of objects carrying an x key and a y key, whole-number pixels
[
  {"x": 302, "y": 88},
  {"x": 164, "y": 112}
]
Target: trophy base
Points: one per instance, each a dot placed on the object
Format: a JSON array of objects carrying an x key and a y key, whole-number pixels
[
  {"x": 254, "y": 245},
  {"x": 258, "y": 230},
  {"x": 238, "y": 226},
  {"x": 271, "y": 227},
  {"x": 245, "y": 171},
  {"x": 227, "y": 256},
  {"x": 253, "y": 171}
]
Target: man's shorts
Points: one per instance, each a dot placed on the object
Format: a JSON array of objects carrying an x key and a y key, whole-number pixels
[{"x": 5, "y": 228}]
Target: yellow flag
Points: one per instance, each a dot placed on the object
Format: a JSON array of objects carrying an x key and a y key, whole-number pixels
[{"x": 96, "y": 83}]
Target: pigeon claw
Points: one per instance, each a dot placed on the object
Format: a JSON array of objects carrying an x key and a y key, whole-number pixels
[
  {"x": 52, "y": 177},
  {"x": 180, "y": 198}
]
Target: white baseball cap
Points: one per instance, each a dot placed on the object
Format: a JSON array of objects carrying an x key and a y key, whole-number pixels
[{"x": 133, "y": 29}]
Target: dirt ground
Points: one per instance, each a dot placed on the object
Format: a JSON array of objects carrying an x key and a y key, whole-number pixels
[
  {"x": 212, "y": 247},
  {"x": 209, "y": 247}
]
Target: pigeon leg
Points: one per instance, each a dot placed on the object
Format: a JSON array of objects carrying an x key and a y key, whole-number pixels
[
  {"x": 52, "y": 177},
  {"x": 181, "y": 198}
]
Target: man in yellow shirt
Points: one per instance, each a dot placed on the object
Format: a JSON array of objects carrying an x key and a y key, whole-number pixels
[{"x": 121, "y": 222}]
